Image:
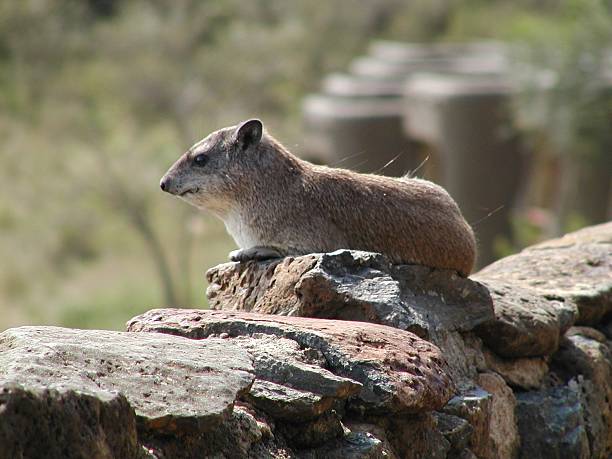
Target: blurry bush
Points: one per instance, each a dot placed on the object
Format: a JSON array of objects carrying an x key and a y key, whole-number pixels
[
  {"x": 565, "y": 71},
  {"x": 98, "y": 98}
]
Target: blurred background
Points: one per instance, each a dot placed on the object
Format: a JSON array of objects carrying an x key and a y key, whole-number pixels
[{"x": 506, "y": 103}]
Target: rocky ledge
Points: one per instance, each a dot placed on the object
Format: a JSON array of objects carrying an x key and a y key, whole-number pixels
[{"x": 335, "y": 355}]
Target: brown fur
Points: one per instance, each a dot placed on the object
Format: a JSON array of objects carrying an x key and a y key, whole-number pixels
[{"x": 269, "y": 197}]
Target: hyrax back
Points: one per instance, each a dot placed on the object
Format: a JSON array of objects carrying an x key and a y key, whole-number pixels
[{"x": 274, "y": 203}]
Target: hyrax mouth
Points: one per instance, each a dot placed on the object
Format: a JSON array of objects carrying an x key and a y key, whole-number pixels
[{"x": 189, "y": 191}]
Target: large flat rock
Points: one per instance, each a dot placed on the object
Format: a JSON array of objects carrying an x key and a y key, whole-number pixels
[
  {"x": 171, "y": 383},
  {"x": 352, "y": 285},
  {"x": 398, "y": 371},
  {"x": 574, "y": 269}
]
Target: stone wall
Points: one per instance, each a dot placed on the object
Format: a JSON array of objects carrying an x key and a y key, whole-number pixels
[{"x": 339, "y": 355}]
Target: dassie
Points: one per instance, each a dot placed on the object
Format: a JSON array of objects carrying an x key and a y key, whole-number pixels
[{"x": 275, "y": 204}]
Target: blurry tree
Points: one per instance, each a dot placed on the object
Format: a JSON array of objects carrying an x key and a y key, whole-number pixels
[{"x": 98, "y": 98}]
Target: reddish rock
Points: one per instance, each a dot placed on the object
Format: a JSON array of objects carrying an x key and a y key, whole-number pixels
[
  {"x": 503, "y": 432},
  {"x": 400, "y": 372},
  {"x": 522, "y": 373}
]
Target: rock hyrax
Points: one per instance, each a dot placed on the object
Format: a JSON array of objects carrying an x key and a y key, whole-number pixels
[{"x": 275, "y": 204}]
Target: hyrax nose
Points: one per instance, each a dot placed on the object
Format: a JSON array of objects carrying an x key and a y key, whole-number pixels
[{"x": 165, "y": 183}]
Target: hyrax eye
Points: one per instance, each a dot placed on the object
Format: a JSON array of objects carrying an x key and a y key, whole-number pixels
[{"x": 200, "y": 160}]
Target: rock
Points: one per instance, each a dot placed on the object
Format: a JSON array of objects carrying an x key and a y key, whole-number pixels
[
  {"x": 280, "y": 360},
  {"x": 313, "y": 433},
  {"x": 235, "y": 384},
  {"x": 51, "y": 423},
  {"x": 606, "y": 329},
  {"x": 362, "y": 440},
  {"x": 243, "y": 435},
  {"x": 551, "y": 424},
  {"x": 521, "y": 373},
  {"x": 526, "y": 324},
  {"x": 456, "y": 430},
  {"x": 587, "y": 332},
  {"x": 361, "y": 286},
  {"x": 463, "y": 353},
  {"x": 575, "y": 269},
  {"x": 148, "y": 369},
  {"x": 417, "y": 437},
  {"x": 475, "y": 407},
  {"x": 353, "y": 445},
  {"x": 465, "y": 454},
  {"x": 282, "y": 402},
  {"x": 352, "y": 285},
  {"x": 400, "y": 372},
  {"x": 503, "y": 432},
  {"x": 587, "y": 363}
]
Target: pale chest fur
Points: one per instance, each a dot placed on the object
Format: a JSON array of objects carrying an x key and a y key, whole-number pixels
[{"x": 241, "y": 232}]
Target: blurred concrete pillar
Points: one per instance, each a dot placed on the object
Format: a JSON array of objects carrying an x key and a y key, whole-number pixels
[
  {"x": 355, "y": 86},
  {"x": 363, "y": 134},
  {"x": 391, "y": 63},
  {"x": 402, "y": 51},
  {"x": 395, "y": 60},
  {"x": 467, "y": 119}
]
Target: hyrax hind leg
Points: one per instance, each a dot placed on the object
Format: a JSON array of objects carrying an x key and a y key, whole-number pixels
[{"x": 254, "y": 253}]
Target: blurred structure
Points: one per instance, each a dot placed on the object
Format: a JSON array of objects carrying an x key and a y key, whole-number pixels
[
  {"x": 449, "y": 98},
  {"x": 453, "y": 103},
  {"x": 360, "y": 133}
]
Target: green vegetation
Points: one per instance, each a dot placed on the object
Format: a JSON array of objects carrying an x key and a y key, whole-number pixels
[{"x": 99, "y": 97}]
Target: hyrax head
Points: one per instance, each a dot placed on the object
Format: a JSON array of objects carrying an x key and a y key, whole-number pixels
[{"x": 213, "y": 169}]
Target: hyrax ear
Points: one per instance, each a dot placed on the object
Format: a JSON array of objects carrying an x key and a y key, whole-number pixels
[{"x": 249, "y": 133}]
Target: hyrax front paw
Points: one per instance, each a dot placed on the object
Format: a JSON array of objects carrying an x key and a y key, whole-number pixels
[{"x": 254, "y": 253}]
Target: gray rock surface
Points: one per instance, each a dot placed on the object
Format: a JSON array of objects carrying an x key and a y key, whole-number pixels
[
  {"x": 399, "y": 372},
  {"x": 363, "y": 441},
  {"x": 475, "y": 407},
  {"x": 456, "y": 430},
  {"x": 587, "y": 362},
  {"x": 354, "y": 445},
  {"x": 281, "y": 360},
  {"x": 575, "y": 269},
  {"x": 92, "y": 389},
  {"x": 352, "y": 285},
  {"x": 286, "y": 403},
  {"x": 148, "y": 370},
  {"x": 526, "y": 324},
  {"x": 551, "y": 424}
]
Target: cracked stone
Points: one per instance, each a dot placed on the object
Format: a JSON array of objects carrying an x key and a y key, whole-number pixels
[{"x": 398, "y": 371}]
